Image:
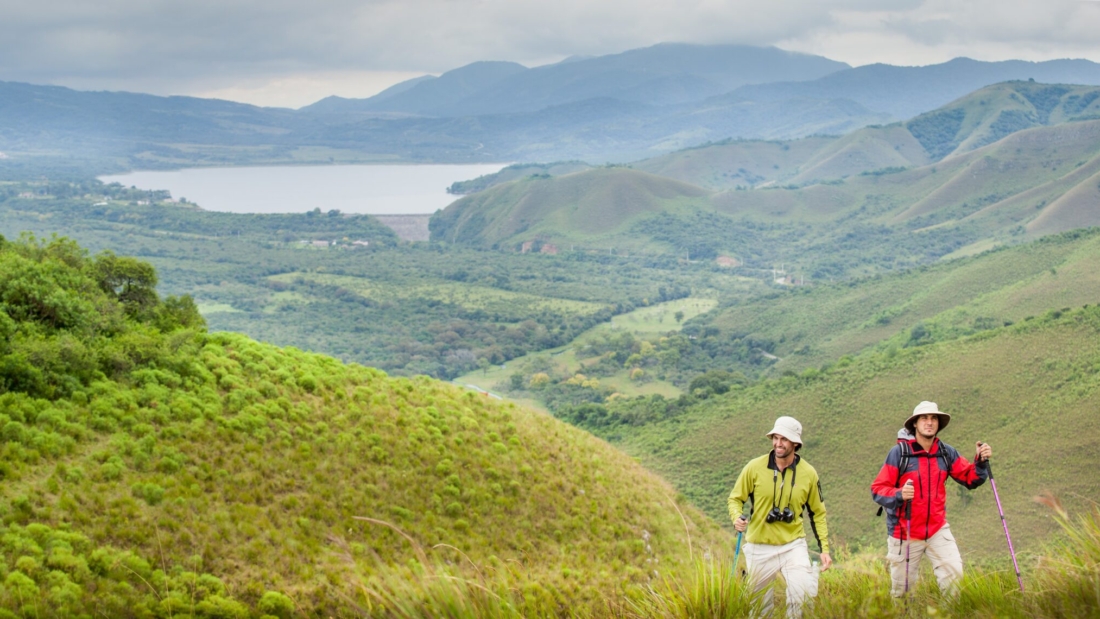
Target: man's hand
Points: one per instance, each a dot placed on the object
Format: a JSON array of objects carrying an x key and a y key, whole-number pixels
[
  {"x": 984, "y": 452},
  {"x": 907, "y": 491},
  {"x": 826, "y": 561},
  {"x": 741, "y": 524}
]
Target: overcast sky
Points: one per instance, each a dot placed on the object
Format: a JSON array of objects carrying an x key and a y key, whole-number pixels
[{"x": 291, "y": 52}]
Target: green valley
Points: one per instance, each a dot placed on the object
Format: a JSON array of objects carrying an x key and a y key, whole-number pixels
[
  {"x": 541, "y": 411},
  {"x": 344, "y": 285}
]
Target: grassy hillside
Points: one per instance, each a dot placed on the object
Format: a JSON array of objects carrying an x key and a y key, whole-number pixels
[
  {"x": 514, "y": 172},
  {"x": 994, "y": 112},
  {"x": 153, "y": 469},
  {"x": 896, "y": 199},
  {"x": 735, "y": 163},
  {"x": 811, "y": 327},
  {"x": 1019, "y": 388},
  {"x": 587, "y": 205}
]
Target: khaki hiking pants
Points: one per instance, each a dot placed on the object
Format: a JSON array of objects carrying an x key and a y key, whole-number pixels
[
  {"x": 940, "y": 549},
  {"x": 765, "y": 561}
]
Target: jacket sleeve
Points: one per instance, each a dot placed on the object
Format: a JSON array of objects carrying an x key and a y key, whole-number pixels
[
  {"x": 815, "y": 507},
  {"x": 884, "y": 488},
  {"x": 967, "y": 473},
  {"x": 742, "y": 493}
]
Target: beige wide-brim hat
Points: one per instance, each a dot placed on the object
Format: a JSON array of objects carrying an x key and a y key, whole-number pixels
[
  {"x": 788, "y": 428},
  {"x": 926, "y": 408}
]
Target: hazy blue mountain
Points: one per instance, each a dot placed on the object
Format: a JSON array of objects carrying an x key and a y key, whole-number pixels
[
  {"x": 904, "y": 92},
  {"x": 434, "y": 97},
  {"x": 47, "y": 116},
  {"x": 661, "y": 74},
  {"x": 595, "y": 130},
  {"x": 340, "y": 105},
  {"x": 613, "y": 108}
]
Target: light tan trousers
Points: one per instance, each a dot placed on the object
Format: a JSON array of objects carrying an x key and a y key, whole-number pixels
[
  {"x": 765, "y": 561},
  {"x": 942, "y": 552}
]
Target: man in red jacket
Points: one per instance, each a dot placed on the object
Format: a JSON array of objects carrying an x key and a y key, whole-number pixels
[{"x": 911, "y": 488}]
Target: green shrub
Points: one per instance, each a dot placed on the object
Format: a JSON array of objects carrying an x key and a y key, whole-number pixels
[{"x": 276, "y": 604}]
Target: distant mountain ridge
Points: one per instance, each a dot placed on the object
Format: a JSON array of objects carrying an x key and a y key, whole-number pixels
[
  {"x": 615, "y": 108},
  {"x": 663, "y": 74},
  {"x": 904, "y": 92}
]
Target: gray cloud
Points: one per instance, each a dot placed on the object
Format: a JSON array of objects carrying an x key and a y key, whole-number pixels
[{"x": 204, "y": 46}]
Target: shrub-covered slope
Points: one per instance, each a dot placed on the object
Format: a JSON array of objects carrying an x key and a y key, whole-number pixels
[
  {"x": 1031, "y": 390},
  {"x": 814, "y": 326},
  {"x": 153, "y": 469}
]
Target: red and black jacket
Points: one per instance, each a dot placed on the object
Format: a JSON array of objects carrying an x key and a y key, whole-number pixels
[{"x": 929, "y": 471}]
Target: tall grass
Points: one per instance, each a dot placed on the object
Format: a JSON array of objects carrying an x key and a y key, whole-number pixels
[
  {"x": 713, "y": 589},
  {"x": 1063, "y": 583}
]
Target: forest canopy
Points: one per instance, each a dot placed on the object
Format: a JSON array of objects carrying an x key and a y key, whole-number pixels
[{"x": 68, "y": 318}]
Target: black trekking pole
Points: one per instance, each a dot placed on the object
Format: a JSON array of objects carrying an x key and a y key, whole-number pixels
[{"x": 1004, "y": 523}]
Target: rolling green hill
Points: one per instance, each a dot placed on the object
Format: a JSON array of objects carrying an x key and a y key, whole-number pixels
[
  {"x": 973, "y": 121},
  {"x": 934, "y": 197},
  {"x": 735, "y": 163},
  {"x": 1031, "y": 390},
  {"x": 811, "y": 327},
  {"x": 153, "y": 469},
  {"x": 589, "y": 205}
]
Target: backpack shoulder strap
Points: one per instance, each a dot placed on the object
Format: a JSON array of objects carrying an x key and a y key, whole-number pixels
[{"x": 903, "y": 464}]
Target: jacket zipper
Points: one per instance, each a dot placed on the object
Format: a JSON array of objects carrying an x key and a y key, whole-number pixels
[{"x": 931, "y": 489}]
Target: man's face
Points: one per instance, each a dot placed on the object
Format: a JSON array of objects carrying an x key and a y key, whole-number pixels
[
  {"x": 928, "y": 425},
  {"x": 782, "y": 446}
]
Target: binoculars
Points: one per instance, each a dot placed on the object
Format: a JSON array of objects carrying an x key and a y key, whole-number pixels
[{"x": 779, "y": 516}]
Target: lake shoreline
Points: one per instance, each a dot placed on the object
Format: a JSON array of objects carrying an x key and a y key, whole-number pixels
[{"x": 393, "y": 189}]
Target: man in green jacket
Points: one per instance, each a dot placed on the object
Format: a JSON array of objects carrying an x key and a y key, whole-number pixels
[{"x": 780, "y": 486}]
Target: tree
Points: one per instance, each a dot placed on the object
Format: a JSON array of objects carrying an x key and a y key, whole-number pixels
[
  {"x": 679, "y": 315},
  {"x": 130, "y": 281}
]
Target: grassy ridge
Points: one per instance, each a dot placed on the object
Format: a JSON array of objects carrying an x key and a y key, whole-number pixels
[
  {"x": 1030, "y": 390},
  {"x": 607, "y": 199},
  {"x": 241, "y": 466},
  {"x": 819, "y": 325}
]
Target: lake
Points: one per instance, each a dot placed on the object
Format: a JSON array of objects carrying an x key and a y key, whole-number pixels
[{"x": 371, "y": 189}]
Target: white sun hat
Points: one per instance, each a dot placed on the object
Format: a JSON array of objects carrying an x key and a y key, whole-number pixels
[
  {"x": 788, "y": 428},
  {"x": 926, "y": 408}
]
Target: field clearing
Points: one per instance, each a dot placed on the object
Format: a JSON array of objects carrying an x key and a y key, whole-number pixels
[
  {"x": 467, "y": 296},
  {"x": 659, "y": 318},
  {"x": 654, "y": 319},
  {"x": 217, "y": 308}
]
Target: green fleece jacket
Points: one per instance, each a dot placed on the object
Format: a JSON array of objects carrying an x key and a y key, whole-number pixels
[{"x": 761, "y": 483}]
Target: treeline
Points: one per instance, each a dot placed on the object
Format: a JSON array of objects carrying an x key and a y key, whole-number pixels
[
  {"x": 55, "y": 298},
  {"x": 227, "y": 261},
  {"x": 113, "y": 203}
]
